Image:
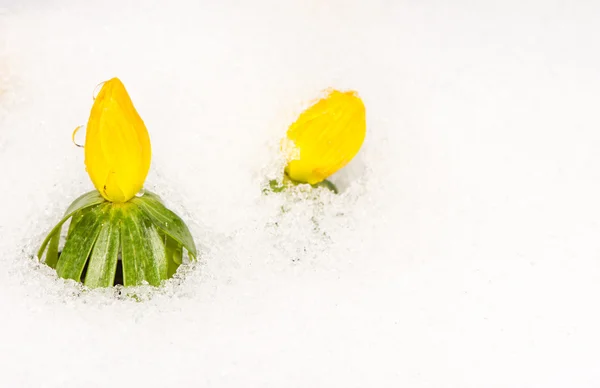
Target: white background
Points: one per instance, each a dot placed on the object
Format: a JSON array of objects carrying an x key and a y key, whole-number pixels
[{"x": 463, "y": 250}]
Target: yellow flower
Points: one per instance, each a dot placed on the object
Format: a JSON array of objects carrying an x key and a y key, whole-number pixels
[
  {"x": 117, "y": 145},
  {"x": 325, "y": 137}
]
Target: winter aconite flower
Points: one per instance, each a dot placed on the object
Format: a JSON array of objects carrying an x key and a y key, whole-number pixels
[
  {"x": 325, "y": 137},
  {"x": 115, "y": 237},
  {"x": 117, "y": 145}
]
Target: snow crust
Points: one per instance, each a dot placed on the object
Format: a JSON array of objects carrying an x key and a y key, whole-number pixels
[{"x": 463, "y": 250}]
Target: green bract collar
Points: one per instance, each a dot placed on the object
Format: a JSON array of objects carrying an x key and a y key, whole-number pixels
[{"x": 142, "y": 233}]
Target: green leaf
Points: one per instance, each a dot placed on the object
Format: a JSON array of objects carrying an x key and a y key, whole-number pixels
[
  {"x": 328, "y": 185},
  {"x": 75, "y": 218},
  {"x": 159, "y": 253},
  {"x": 166, "y": 221},
  {"x": 79, "y": 245},
  {"x": 276, "y": 187},
  {"x": 139, "y": 263},
  {"x": 103, "y": 261},
  {"x": 85, "y": 201},
  {"x": 52, "y": 254},
  {"x": 174, "y": 255}
]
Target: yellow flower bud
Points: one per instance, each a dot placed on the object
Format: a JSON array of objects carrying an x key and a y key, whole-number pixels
[
  {"x": 325, "y": 137},
  {"x": 117, "y": 145}
]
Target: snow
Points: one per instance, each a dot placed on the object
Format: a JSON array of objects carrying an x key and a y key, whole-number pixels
[{"x": 463, "y": 250}]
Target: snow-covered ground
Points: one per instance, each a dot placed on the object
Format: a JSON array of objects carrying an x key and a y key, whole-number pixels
[{"x": 464, "y": 250}]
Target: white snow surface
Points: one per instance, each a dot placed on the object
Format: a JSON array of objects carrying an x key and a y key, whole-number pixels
[{"x": 463, "y": 251}]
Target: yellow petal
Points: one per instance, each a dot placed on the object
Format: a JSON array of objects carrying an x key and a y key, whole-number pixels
[
  {"x": 117, "y": 145},
  {"x": 325, "y": 137}
]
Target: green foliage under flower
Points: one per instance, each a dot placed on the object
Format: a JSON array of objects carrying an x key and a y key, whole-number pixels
[
  {"x": 142, "y": 233},
  {"x": 277, "y": 187}
]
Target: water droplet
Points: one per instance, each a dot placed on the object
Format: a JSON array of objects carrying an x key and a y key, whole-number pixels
[
  {"x": 140, "y": 193},
  {"x": 97, "y": 90},
  {"x": 79, "y": 142}
]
